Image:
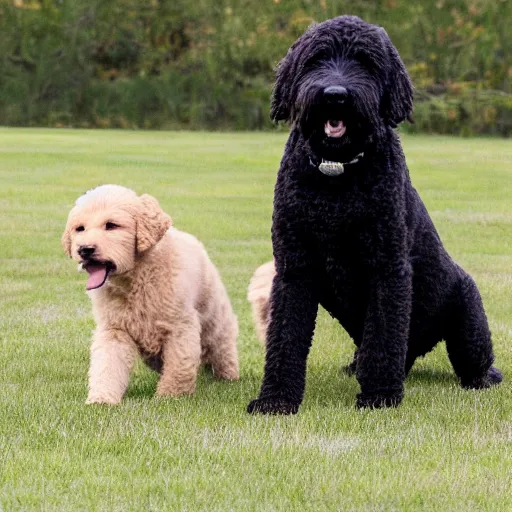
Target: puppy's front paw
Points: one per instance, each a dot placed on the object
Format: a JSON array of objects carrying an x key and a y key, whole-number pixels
[
  {"x": 378, "y": 400},
  {"x": 272, "y": 406},
  {"x": 99, "y": 399},
  {"x": 492, "y": 378},
  {"x": 175, "y": 389}
]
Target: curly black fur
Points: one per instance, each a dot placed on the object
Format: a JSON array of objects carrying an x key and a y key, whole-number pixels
[{"x": 360, "y": 244}]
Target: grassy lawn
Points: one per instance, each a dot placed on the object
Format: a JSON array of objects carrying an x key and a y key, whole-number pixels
[{"x": 443, "y": 449}]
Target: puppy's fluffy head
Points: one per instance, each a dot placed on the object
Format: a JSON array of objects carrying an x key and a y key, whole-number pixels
[{"x": 109, "y": 228}]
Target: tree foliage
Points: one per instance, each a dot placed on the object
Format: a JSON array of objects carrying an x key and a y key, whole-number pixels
[{"x": 209, "y": 63}]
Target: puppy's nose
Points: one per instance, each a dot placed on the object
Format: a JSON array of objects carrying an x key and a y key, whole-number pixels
[
  {"x": 86, "y": 251},
  {"x": 336, "y": 93}
]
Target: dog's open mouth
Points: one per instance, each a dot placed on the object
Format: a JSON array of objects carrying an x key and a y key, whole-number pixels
[
  {"x": 334, "y": 128},
  {"x": 98, "y": 273}
]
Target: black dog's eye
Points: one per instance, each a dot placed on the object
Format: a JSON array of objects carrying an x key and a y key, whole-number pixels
[
  {"x": 367, "y": 61},
  {"x": 317, "y": 60},
  {"x": 109, "y": 226},
  {"x": 80, "y": 228}
]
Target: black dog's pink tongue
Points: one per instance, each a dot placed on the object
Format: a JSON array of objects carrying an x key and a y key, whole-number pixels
[{"x": 98, "y": 273}]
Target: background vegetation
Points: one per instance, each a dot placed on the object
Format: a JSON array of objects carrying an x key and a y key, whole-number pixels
[
  {"x": 208, "y": 64},
  {"x": 445, "y": 449}
]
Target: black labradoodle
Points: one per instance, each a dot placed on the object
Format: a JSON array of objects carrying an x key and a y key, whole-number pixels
[{"x": 352, "y": 234}]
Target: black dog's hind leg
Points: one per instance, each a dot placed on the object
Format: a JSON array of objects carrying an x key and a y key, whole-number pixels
[
  {"x": 294, "y": 308},
  {"x": 468, "y": 339},
  {"x": 350, "y": 369},
  {"x": 381, "y": 359}
]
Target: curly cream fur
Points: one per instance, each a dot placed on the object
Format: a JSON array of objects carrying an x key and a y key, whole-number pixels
[
  {"x": 165, "y": 301},
  {"x": 258, "y": 294}
]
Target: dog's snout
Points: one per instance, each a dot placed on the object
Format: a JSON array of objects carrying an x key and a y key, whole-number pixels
[
  {"x": 86, "y": 251},
  {"x": 336, "y": 93}
]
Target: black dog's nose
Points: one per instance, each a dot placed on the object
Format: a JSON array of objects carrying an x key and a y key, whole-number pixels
[
  {"x": 336, "y": 93},
  {"x": 86, "y": 251}
]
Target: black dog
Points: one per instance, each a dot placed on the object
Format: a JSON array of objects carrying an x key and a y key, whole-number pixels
[{"x": 351, "y": 233}]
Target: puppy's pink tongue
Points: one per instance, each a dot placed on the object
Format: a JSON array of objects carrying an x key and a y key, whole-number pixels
[{"x": 98, "y": 274}]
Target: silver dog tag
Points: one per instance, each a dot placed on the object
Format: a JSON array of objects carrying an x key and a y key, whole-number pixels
[{"x": 331, "y": 168}]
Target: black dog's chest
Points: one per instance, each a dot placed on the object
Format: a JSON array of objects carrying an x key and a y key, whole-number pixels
[
  {"x": 335, "y": 221},
  {"x": 337, "y": 231}
]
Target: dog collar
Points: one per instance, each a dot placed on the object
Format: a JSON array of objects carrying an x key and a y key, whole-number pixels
[{"x": 330, "y": 168}]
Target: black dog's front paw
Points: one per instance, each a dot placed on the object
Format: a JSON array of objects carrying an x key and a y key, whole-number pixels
[
  {"x": 272, "y": 406},
  {"x": 378, "y": 400},
  {"x": 492, "y": 378}
]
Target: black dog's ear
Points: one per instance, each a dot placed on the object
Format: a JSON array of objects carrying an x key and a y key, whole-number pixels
[
  {"x": 281, "y": 104},
  {"x": 397, "y": 102}
]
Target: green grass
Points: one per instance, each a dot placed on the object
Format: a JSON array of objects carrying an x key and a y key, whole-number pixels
[{"x": 443, "y": 449}]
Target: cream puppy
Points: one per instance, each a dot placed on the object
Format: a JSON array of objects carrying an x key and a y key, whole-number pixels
[{"x": 154, "y": 291}]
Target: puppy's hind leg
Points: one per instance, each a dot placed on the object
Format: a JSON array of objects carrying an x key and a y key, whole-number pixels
[
  {"x": 113, "y": 355},
  {"x": 219, "y": 340},
  {"x": 468, "y": 339},
  {"x": 258, "y": 294},
  {"x": 181, "y": 355}
]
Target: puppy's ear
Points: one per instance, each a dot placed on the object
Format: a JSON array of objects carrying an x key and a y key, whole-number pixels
[
  {"x": 397, "y": 102},
  {"x": 152, "y": 223},
  {"x": 65, "y": 241}
]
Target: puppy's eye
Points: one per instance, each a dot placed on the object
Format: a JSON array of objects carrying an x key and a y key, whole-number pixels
[
  {"x": 80, "y": 228},
  {"x": 109, "y": 226}
]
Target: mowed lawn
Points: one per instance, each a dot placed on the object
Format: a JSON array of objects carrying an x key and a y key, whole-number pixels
[{"x": 444, "y": 449}]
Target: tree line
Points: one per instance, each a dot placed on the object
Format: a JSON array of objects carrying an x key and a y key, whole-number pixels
[{"x": 209, "y": 64}]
